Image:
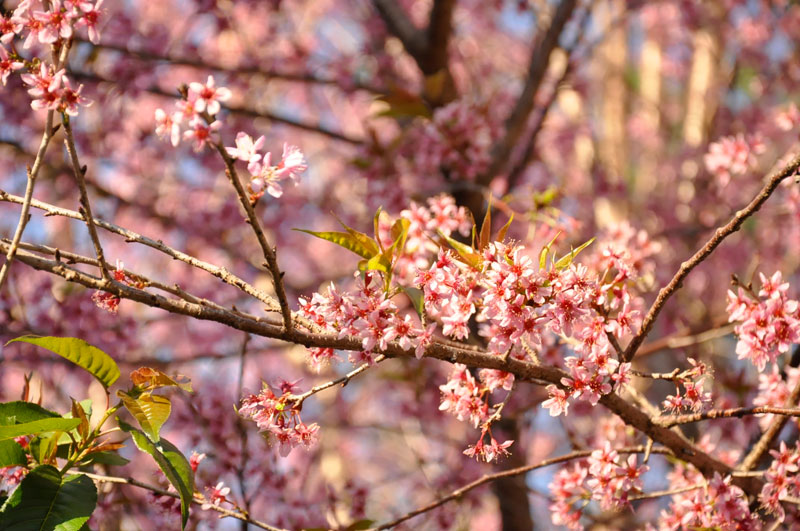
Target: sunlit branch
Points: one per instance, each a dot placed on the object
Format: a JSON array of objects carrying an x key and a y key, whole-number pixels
[
  {"x": 487, "y": 478},
  {"x": 198, "y": 499},
  {"x": 344, "y": 380},
  {"x": 719, "y": 235},
  {"x": 674, "y": 420},
  {"x": 270, "y": 254}
]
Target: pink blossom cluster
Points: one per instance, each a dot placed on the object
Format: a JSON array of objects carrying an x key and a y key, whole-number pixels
[
  {"x": 694, "y": 398},
  {"x": 265, "y": 176},
  {"x": 626, "y": 252},
  {"x": 278, "y": 420},
  {"x": 52, "y": 91},
  {"x": 51, "y": 21},
  {"x": 774, "y": 390},
  {"x": 604, "y": 477},
  {"x": 449, "y": 288},
  {"x": 367, "y": 314},
  {"x": 457, "y": 140},
  {"x": 468, "y": 399},
  {"x": 789, "y": 118},
  {"x": 769, "y": 323},
  {"x": 717, "y": 505},
  {"x": 440, "y": 215},
  {"x": 201, "y": 100},
  {"x": 733, "y": 155},
  {"x": 781, "y": 479}
]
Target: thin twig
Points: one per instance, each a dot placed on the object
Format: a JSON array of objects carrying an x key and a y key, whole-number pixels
[
  {"x": 270, "y": 254},
  {"x": 80, "y": 178},
  {"x": 131, "y": 236},
  {"x": 668, "y": 421},
  {"x": 487, "y": 478},
  {"x": 719, "y": 235},
  {"x": 198, "y": 499},
  {"x": 344, "y": 380},
  {"x": 773, "y": 430},
  {"x": 681, "y": 341}
]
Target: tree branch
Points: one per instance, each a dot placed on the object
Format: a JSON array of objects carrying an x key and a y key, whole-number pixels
[
  {"x": 773, "y": 430},
  {"x": 198, "y": 499},
  {"x": 515, "y": 123},
  {"x": 400, "y": 26},
  {"x": 668, "y": 421},
  {"x": 719, "y": 235},
  {"x": 486, "y": 478},
  {"x": 270, "y": 254}
]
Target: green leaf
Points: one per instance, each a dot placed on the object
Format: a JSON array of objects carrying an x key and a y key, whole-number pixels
[
  {"x": 37, "y": 426},
  {"x": 501, "y": 236},
  {"x": 365, "y": 248},
  {"x": 19, "y": 412},
  {"x": 566, "y": 260},
  {"x": 466, "y": 252},
  {"x": 360, "y": 525},
  {"x": 79, "y": 352},
  {"x": 171, "y": 462},
  {"x": 546, "y": 250},
  {"x": 46, "y": 501},
  {"x": 486, "y": 228},
  {"x": 150, "y": 411},
  {"x": 376, "y": 221},
  {"x": 417, "y": 297},
  {"x": 148, "y": 379},
  {"x": 106, "y": 458},
  {"x": 11, "y": 454}
]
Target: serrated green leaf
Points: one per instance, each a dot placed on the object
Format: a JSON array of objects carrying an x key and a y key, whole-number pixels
[
  {"x": 46, "y": 501},
  {"x": 90, "y": 358},
  {"x": 567, "y": 259},
  {"x": 11, "y": 454},
  {"x": 18, "y": 412},
  {"x": 37, "y": 426},
  {"x": 172, "y": 463},
  {"x": 348, "y": 241},
  {"x": 150, "y": 411}
]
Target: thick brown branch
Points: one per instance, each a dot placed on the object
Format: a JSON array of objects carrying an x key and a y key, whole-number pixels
[
  {"x": 487, "y": 478},
  {"x": 719, "y": 235},
  {"x": 399, "y": 25},
  {"x": 540, "y": 58},
  {"x": 440, "y": 28},
  {"x": 628, "y": 413}
]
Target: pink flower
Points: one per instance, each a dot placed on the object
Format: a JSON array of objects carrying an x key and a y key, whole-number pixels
[
  {"x": 208, "y": 96},
  {"x": 90, "y": 17},
  {"x": 216, "y": 496},
  {"x": 557, "y": 403},
  {"x": 56, "y": 23},
  {"x": 168, "y": 126},
  {"x": 7, "y": 65},
  {"x": 201, "y": 132},
  {"x": 247, "y": 151}
]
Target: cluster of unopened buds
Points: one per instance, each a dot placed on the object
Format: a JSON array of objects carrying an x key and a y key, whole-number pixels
[
  {"x": 109, "y": 301},
  {"x": 267, "y": 177},
  {"x": 278, "y": 420},
  {"x": 605, "y": 477},
  {"x": 769, "y": 322}
]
